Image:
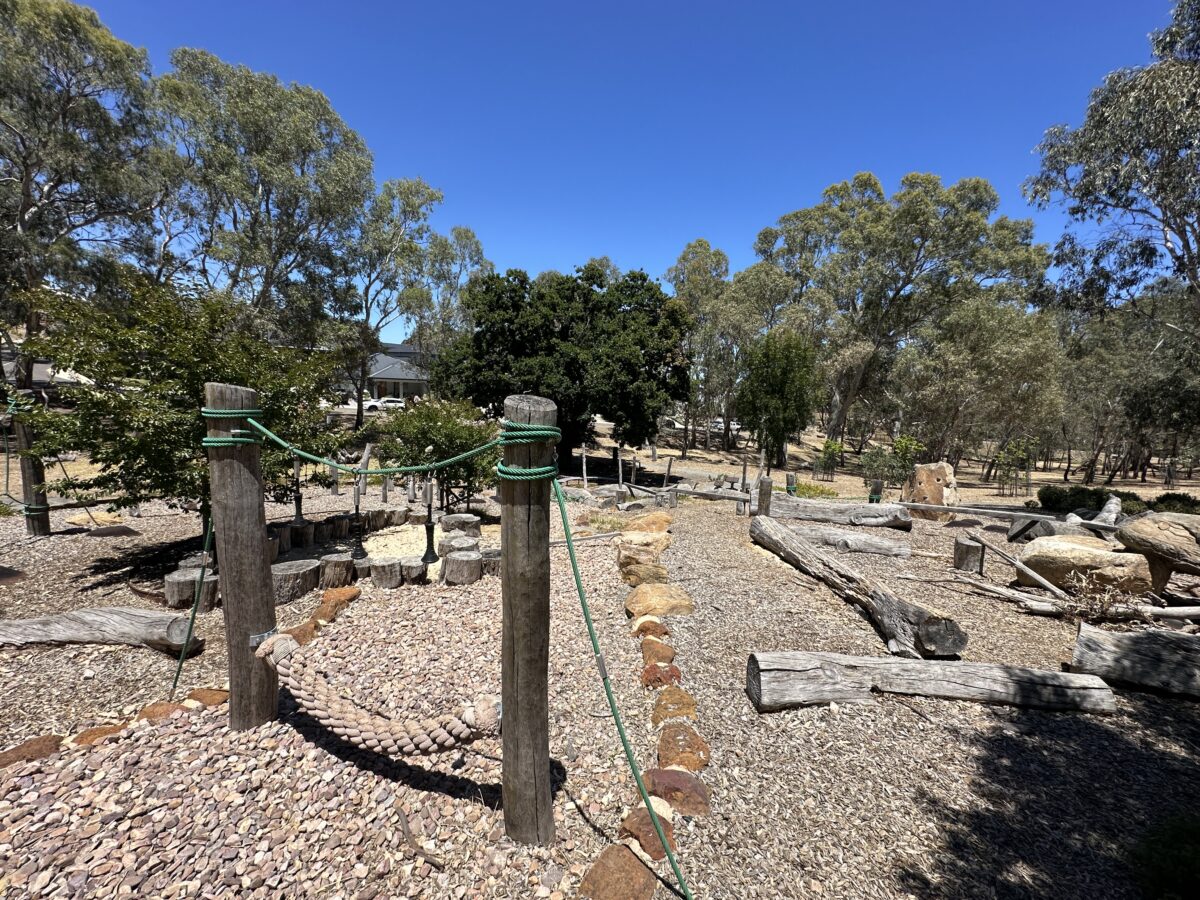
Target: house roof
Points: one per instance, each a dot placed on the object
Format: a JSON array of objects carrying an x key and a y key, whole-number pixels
[{"x": 392, "y": 369}]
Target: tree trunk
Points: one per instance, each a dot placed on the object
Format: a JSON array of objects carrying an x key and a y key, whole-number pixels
[
  {"x": 337, "y": 570},
  {"x": 294, "y": 579},
  {"x": 837, "y": 424},
  {"x": 778, "y": 681},
  {"x": 968, "y": 555},
  {"x": 359, "y": 390},
  {"x": 109, "y": 625},
  {"x": 1160, "y": 660},
  {"x": 846, "y": 542},
  {"x": 887, "y": 515},
  {"x": 909, "y": 630}
]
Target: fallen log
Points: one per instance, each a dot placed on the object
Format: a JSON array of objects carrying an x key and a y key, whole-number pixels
[
  {"x": 875, "y": 515},
  {"x": 776, "y": 681},
  {"x": 1006, "y": 514},
  {"x": 909, "y": 630},
  {"x": 846, "y": 542},
  {"x": 106, "y": 625},
  {"x": 1160, "y": 660},
  {"x": 715, "y": 494}
]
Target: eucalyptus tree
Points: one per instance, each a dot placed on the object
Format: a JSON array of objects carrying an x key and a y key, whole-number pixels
[
  {"x": 888, "y": 265},
  {"x": 1131, "y": 173},
  {"x": 439, "y": 315}
]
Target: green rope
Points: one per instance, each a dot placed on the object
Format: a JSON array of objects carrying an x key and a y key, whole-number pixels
[
  {"x": 228, "y": 413},
  {"x": 187, "y": 641},
  {"x": 608, "y": 692}
]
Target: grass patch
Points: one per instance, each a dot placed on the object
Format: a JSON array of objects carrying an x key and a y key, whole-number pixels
[
  {"x": 6, "y": 511},
  {"x": 810, "y": 490}
]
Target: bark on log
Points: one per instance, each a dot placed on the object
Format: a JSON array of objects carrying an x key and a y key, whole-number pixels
[
  {"x": 968, "y": 555},
  {"x": 414, "y": 569},
  {"x": 387, "y": 571},
  {"x": 293, "y": 579},
  {"x": 337, "y": 570},
  {"x": 106, "y": 625},
  {"x": 910, "y": 630},
  {"x": 397, "y": 515},
  {"x": 455, "y": 542},
  {"x": 179, "y": 589},
  {"x": 340, "y": 526},
  {"x": 1170, "y": 541},
  {"x": 877, "y": 515},
  {"x": 302, "y": 533},
  {"x": 846, "y": 542},
  {"x": 462, "y": 567},
  {"x": 992, "y": 512},
  {"x": 362, "y": 567},
  {"x": 1160, "y": 660},
  {"x": 778, "y": 681},
  {"x": 283, "y": 531},
  {"x": 467, "y": 523},
  {"x": 272, "y": 546},
  {"x": 377, "y": 519},
  {"x": 491, "y": 561},
  {"x": 322, "y": 532},
  {"x": 715, "y": 494}
]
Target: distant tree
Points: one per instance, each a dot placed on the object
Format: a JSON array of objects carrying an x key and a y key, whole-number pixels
[
  {"x": 439, "y": 315},
  {"x": 776, "y": 397},
  {"x": 1131, "y": 172}
]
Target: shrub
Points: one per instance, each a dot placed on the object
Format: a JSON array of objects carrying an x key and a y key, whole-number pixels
[
  {"x": 808, "y": 490},
  {"x": 831, "y": 454},
  {"x": 1055, "y": 498},
  {"x": 1174, "y": 501}
]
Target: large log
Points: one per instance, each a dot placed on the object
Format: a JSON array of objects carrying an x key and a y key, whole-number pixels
[
  {"x": 778, "y": 681},
  {"x": 387, "y": 571},
  {"x": 878, "y": 515},
  {"x": 293, "y": 579},
  {"x": 462, "y": 567},
  {"x": 1010, "y": 515},
  {"x": 715, "y": 494},
  {"x": 847, "y": 542},
  {"x": 1170, "y": 541},
  {"x": 337, "y": 570},
  {"x": 106, "y": 625},
  {"x": 1157, "y": 659},
  {"x": 179, "y": 589},
  {"x": 910, "y": 630}
]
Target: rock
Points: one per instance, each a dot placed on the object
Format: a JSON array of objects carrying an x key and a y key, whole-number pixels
[
  {"x": 639, "y": 826},
  {"x": 655, "y": 651},
  {"x": 631, "y": 506},
  {"x": 34, "y": 748},
  {"x": 644, "y": 573},
  {"x": 1170, "y": 542},
  {"x": 658, "y": 541},
  {"x": 673, "y": 703},
  {"x": 651, "y": 626},
  {"x": 617, "y": 874},
  {"x": 656, "y": 676},
  {"x": 305, "y": 632},
  {"x": 681, "y": 745},
  {"x": 659, "y": 600},
  {"x": 628, "y": 556},
  {"x": 90, "y": 736},
  {"x": 1057, "y": 558},
  {"x": 651, "y": 521},
  {"x": 341, "y": 595},
  {"x": 160, "y": 711},
  {"x": 209, "y": 696},
  {"x": 683, "y": 790},
  {"x": 931, "y": 483},
  {"x": 1024, "y": 530}
]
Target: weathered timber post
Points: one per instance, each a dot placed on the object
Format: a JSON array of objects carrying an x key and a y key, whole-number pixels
[
  {"x": 364, "y": 463},
  {"x": 240, "y": 530},
  {"x": 387, "y": 486},
  {"x": 620, "y": 465},
  {"x": 299, "y": 498},
  {"x": 334, "y": 488},
  {"x": 764, "y": 496},
  {"x": 667, "y": 477},
  {"x": 583, "y": 455},
  {"x": 412, "y": 489},
  {"x": 33, "y": 477},
  {"x": 525, "y": 650},
  {"x": 745, "y": 484},
  {"x": 968, "y": 555}
]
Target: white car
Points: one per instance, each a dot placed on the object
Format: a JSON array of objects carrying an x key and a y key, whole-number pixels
[{"x": 383, "y": 404}]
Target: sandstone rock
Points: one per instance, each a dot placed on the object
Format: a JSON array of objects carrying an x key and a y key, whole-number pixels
[
  {"x": 683, "y": 790},
  {"x": 617, "y": 874},
  {"x": 651, "y": 626},
  {"x": 658, "y": 541},
  {"x": 305, "y": 632},
  {"x": 655, "y": 651},
  {"x": 1170, "y": 541},
  {"x": 651, "y": 521},
  {"x": 639, "y": 826},
  {"x": 659, "y": 600},
  {"x": 90, "y": 736},
  {"x": 1058, "y": 557},
  {"x": 681, "y": 745},
  {"x": 341, "y": 595},
  {"x": 673, "y": 703},
  {"x": 159, "y": 711},
  {"x": 655, "y": 675},
  {"x": 209, "y": 696},
  {"x": 931, "y": 483},
  {"x": 1022, "y": 531},
  {"x": 34, "y": 748},
  {"x": 628, "y": 556},
  {"x": 644, "y": 573}
]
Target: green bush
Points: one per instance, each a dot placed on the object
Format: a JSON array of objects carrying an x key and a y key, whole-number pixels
[
  {"x": 1059, "y": 499},
  {"x": 808, "y": 490},
  {"x": 1175, "y": 501}
]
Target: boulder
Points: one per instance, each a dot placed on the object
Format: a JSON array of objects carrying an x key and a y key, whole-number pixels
[
  {"x": 640, "y": 827},
  {"x": 681, "y": 745},
  {"x": 1022, "y": 531},
  {"x": 683, "y": 790},
  {"x": 651, "y": 626},
  {"x": 651, "y": 521},
  {"x": 634, "y": 574},
  {"x": 659, "y": 600},
  {"x": 1170, "y": 542},
  {"x": 673, "y": 703},
  {"x": 931, "y": 483},
  {"x": 656, "y": 676},
  {"x": 656, "y": 651},
  {"x": 617, "y": 874},
  {"x": 1057, "y": 558}
]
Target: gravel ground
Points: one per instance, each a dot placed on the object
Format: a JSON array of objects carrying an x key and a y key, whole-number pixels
[{"x": 903, "y": 797}]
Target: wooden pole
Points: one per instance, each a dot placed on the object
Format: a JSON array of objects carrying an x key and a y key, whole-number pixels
[
  {"x": 745, "y": 485},
  {"x": 240, "y": 530},
  {"x": 298, "y": 499},
  {"x": 334, "y": 488},
  {"x": 412, "y": 488},
  {"x": 33, "y": 476},
  {"x": 764, "y": 496},
  {"x": 667, "y": 477},
  {"x": 583, "y": 455},
  {"x": 525, "y": 649},
  {"x": 364, "y": 463},
  {"x": 387, "y": 484},
  {"x": 1020, "y": 566},
  {"x": 620, "y": 465}
]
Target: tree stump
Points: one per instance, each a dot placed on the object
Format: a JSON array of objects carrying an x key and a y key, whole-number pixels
[
  {"x": 491, "y": 561},
  {"x": 414, "y": 569},
  {"x": 397, "y": 515},
  {"x": 387, "y": 572},
  {"x": 467, "y": 523},
  {"x": 462, "y": 567},
  {"x": 337, "y": 570},
  {"x": 302, "y": 533},
  {"x": 295, "y": 578},
  {"x": 322, "y": 532},
  {"x": 272, "y": 546},
  {"x": 456, "y": 541},
  {"x": 179, "y": 588},
  {"x": 377, "y": 519},
  {"x": 207, "y": 561},
  {"x": 417, "y": 515},
  {"x": 968, "y": 555},
  {"x": 362, "y": 568},
  {"x": 284, "y": 533},
  {"x": 339, "y": 526}
]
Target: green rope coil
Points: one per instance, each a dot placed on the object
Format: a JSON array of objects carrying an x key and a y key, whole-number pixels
[{"x": 229, "y": 413}]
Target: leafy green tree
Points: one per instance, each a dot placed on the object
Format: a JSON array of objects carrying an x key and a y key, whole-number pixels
[
  {"x": 148, "y": 350},
  {"x": 1129, "y": 172},
  {"x": 776, "y": 397},
  {"x": 439, "y": 315},
  {"x": 887, "y": 265},
  {"x": 440, "y": 429}
]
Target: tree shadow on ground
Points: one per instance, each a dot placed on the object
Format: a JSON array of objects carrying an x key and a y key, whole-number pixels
[
  {"x": 150, "y": 562},
  {"x": 415, "y": 777},
  {"x": 1062, "y": 801}
]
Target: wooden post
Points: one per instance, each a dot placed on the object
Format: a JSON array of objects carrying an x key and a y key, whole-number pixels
[
  {"x": 334, "y": 488},
  {"x": 298, "y": 499},
  {"x": 525, "y": 649},
  {"x": 791, "y": 483},
  {"x": 387, "y": 484},
  {"x": 364, "y": 463},
  {"x": 240, "y": 529},
  {"x": 620, "y": 465},
  {"x": 583, "y": 457},
  {"x": 968, "y": 555},
  {"x": 667, "y": 477},
  {"x": 745, "y": 484},
  {"x": 412, "y": 488},
  {"x": 33, "y": 476},
  {"x": 764, "y": 496},
  {"x": 654, "y": 452}
]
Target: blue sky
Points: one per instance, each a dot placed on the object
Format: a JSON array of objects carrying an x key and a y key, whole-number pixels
[{"x": 562, "y": 131}]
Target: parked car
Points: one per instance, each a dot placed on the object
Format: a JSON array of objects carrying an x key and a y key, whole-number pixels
[{"x": 383, "y": 404}]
